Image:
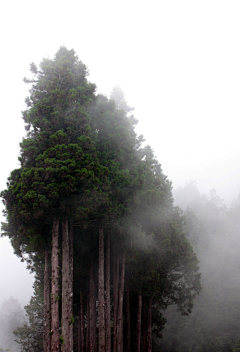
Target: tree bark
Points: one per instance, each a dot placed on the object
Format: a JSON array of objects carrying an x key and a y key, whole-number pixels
[
  {"x": 54, "y": 292},
  {"x": 108, "y": 305},
  {"x": 139, "y": 322},
  {"x": 71, "y": 285},
  {"x": 81, "y": 326},
  {"x": 149, "y": 336},
  {"x": 101, "y": 300},
  {"x": 115, "y": 297},
  {"x": 79, "y": 331},
  {"x": 46, "y": 326},
  {"x": 88, "y": 327},
  {"x": 120, "y": 308},
  {"x": 128, "y": 322},
  {"x": 92, "y": 313},
  {"x": 65, "y": 288},
  {"x": 144, "y": 323}
]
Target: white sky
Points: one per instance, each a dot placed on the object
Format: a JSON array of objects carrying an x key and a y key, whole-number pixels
[{"x": 178, "y": 63}]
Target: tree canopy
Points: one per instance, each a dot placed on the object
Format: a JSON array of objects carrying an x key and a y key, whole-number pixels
[{"x": 84, "y": 167}]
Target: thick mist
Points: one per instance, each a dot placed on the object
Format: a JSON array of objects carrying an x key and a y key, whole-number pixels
[
  {"x": 178, "y": 65},
  {"x": 214, "y": 232}
]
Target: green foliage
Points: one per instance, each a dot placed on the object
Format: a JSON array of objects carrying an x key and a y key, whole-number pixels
[
  {"x": 82, "y": 158},
  {"x": 165, "y": 266},
  {"x": 60, "y": 169},
  {"x": 30, "y": 335}
]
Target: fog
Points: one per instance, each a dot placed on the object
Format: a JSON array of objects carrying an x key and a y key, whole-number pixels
[
  {"x": 213, "y": 231},
  {"x": 178, "y": 65}
]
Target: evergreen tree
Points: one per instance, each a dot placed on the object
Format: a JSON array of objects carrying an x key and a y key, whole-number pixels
[
  {"x": 85, "y": 174},
  {"x": 30, "y": 335}
]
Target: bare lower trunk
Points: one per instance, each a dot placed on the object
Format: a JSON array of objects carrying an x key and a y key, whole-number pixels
[
  {"x": 120, "y": 308},
  {"x": 144, "y": 324},
  {"x": 149, "y": 335},
  {"x": 108, "y": 306},
  {"x": 92, "y": 314},
  {"x": 101, "y": 300},
  {"x": 88, "y": 327},
  {"x": 46, "y": 326},
  {"x": 65, "y": 287},
  {"x": 128, "y": 322},
  {"x": 83, "y": 330},
  {"x": 79, "y": 331},
  {"x": 71, "y": 285},
  {"x": 54, "y": 285},
  {"x": 115, "y": 297},
  {"x": 139, "y": 323},
  {"x": 94, "y": 318},
  {"x": 81, "y": 326}
]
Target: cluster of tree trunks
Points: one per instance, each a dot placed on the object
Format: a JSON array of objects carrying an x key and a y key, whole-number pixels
[
  {"x": 53, "y": 341},
  {"x": 100, "y": 319},
  {"x": 95, "y": 320}
]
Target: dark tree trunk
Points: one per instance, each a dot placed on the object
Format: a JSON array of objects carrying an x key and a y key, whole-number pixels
[
  {"x": 79, "y": 331},
  {"x": 139, "y": 323},
  {"x": 108, "y": 305},
  {"x": 47, "y": 325},
  {"x": 115, "y": 297},
  {"x": 88, "y": 327},
  {"x": 144, "y": 323},
  {"x": 54, "y": 292},
  {"x": 149, "y": 335},
  {"x": 128, "y": 322},
  {"x": 101, "y": 300},
  {"x": 83, "y": 329},
  {"x": 92, "y": 314},
  {"x": 81, "y": 326},
  {"x": 120, "y": 308},
  {"x": 65, "y": 288},
  {"x": 71, "y": 285},
  {"x": 94, "y": 317}
]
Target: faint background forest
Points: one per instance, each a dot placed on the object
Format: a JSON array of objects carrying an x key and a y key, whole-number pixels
[{"x": 214, "y": 232}]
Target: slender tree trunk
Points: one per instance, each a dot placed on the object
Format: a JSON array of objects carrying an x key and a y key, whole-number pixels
[
  {"x": 88, "y": 327},
  {"x": 47, "y": 326},
  {"x": 81, "y": 326},
  {"x": 120, "y": 307},
  {"x": 92, "y": 313},
  {"x": 108, "y": 305},
  {"x": 79, "y": 330},
  {"x": 65, "y": 287},
  {"x": 144, "y": 323},
  {"x": 128, "y": 322},
  {"x": 94, "y": 317},
  {"x": 139, "y": 322},
  {"x": 71, "y": 285},
  {"x": 83, "y": 329},
  {"x": 101, "y": 300},
  {"x": 115, "y": 297},
  {"x": 149, "y": 336},
  {"x": 54, "y": 293}
]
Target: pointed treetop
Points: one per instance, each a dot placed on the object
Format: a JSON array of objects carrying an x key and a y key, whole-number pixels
[{"x": 118, "y": 96}]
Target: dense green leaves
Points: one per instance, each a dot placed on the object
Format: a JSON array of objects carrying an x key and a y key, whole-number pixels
[{"x": 82, "y": 159}]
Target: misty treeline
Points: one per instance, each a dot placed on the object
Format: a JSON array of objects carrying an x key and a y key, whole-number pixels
[
  {"x": 214, "y": 232},
  {"x": 11, "y": 317},
  {"x": 91, "y": 212}
]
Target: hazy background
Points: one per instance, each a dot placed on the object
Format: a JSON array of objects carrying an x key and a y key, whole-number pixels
[{"x": 176, "y": 61}]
